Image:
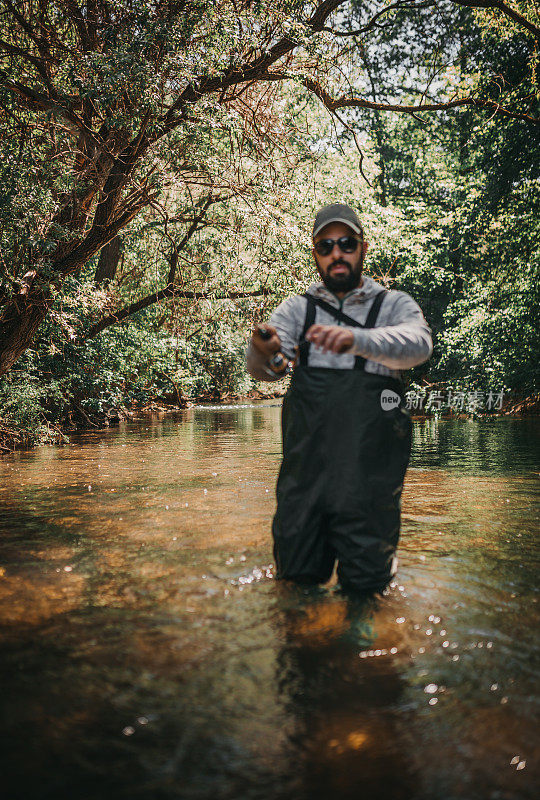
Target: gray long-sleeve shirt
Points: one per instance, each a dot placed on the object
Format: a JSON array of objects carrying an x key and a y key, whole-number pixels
[{"x": 402, "y": 338}]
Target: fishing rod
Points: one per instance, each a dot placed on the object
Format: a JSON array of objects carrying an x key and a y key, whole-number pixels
[{"x": 278, "y": 363}]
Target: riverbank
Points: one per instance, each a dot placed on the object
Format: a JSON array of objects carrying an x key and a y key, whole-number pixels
[
  {"x": 39, "y": 428},
  {"x": 44, "y": 431}
]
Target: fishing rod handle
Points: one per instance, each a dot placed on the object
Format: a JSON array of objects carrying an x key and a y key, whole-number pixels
[
  {"x": 264, "y": 333},
  {"x": 277, "y": 363}
]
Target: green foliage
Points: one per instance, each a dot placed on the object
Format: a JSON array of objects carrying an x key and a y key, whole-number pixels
[
  {"x": 468, "y": 186},
  {"x": 23, "y": 400},
  {"x": 66, "y": 383},
  {"x": 227, "y": 194}
]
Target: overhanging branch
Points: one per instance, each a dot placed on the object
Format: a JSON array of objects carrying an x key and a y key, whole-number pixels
[
  {"x": 37, "y": 101},
  {"x": 247, "y": 72},
  {"x": 504, "y": 8},
  {"x": 169, "y": 291},
  {"x": 406, "y": 5},
  {"x": 400, "y": 5},
  {"x": 332, "y": 104}
]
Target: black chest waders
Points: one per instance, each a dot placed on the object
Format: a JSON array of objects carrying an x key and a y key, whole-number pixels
[{"x": 346, "y": 447}]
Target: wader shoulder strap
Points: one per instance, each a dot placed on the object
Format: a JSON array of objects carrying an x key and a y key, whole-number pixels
[
  {"x": 303, "y": 348},
  {"x": 359, "y": 361},
  {"x": 335, "y": 312},
  {"x": 312, "y": 302},
  {"x": 374, "y": 310}
]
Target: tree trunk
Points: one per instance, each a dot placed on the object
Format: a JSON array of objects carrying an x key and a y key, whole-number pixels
[
  {"x": 108, "y": 261},
  {"x": 20, "y": 319}
]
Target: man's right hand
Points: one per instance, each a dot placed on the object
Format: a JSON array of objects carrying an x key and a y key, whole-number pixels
[{"x": 266, "y": 347}]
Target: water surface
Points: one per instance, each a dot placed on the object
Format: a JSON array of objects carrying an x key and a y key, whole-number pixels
[{"x": 147, "y": 651}]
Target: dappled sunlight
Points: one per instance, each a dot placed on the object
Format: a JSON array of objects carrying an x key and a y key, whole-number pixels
[{"x": 141, "y": 619}]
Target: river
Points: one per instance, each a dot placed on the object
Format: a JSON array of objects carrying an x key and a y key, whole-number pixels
[{"x": 147, "y": 651}]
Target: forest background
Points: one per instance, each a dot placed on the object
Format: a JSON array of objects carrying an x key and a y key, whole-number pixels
[{"x": 161, "y": 164}]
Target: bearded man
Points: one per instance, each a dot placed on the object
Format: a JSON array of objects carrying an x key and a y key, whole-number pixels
[{"x": 346, "y": 434}]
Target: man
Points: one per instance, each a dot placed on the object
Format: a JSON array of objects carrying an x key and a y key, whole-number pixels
[{"x": 346, "y": 436}]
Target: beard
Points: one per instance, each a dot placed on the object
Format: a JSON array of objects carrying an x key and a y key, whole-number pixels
[{"x": 343, "y": 283}]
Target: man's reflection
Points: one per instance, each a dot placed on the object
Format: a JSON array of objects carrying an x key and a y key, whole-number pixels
[{"x": 348, "y": 740}]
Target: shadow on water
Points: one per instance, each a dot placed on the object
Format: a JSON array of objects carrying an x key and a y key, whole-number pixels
[
  {"x": 122, "y": 705},
  {"x": 147, "y": 652},
  {"x": 341, "y": 706}
]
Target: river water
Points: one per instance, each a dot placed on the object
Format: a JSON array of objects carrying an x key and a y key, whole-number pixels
[{"x": 147, "y": 651}]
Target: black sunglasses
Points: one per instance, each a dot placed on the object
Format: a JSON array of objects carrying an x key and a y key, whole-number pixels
[{"x": 347, "y": 244}]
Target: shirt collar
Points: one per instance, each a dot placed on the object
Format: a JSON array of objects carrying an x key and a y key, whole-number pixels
[{"x": 359, "y": 295}]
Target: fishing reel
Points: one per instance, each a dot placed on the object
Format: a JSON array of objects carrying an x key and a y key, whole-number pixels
[{"x": 278, "y": 363}]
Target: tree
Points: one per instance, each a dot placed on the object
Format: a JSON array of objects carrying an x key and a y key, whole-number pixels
[
  {"x": 469, "y": 188},
  {"x": 107, "y": 106},
  {"x": 106, "y": 99}
]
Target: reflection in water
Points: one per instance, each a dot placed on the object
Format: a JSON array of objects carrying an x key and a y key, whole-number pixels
[
  {"x": 344, "y": 739},
  {"x": 147, "y": 652}
]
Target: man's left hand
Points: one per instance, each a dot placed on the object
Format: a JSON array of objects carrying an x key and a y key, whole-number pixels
[{"x": 330, "y": 338}]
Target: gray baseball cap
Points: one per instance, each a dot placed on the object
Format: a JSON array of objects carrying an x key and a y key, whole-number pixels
[{"x": 337, "y": 212}]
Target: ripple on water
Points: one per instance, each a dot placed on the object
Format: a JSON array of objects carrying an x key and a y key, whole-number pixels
[{"x": 149, "y": 649}]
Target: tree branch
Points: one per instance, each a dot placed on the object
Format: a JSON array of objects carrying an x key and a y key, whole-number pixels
[
  {"x": 38, "y": 63},
  {"x": 76, "y": 16},
  {"x": 169, "y": 291},
  {"x": 111, "y": 215},
  {"x": 249, "y": 71},
  {"x": 23, "y": 23},
  {"x": 38, "y": 101},
  {"x": 356, "y": 102},
  {"x": 399, "y": 5},
  {"x": 511, "y": 13}
]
